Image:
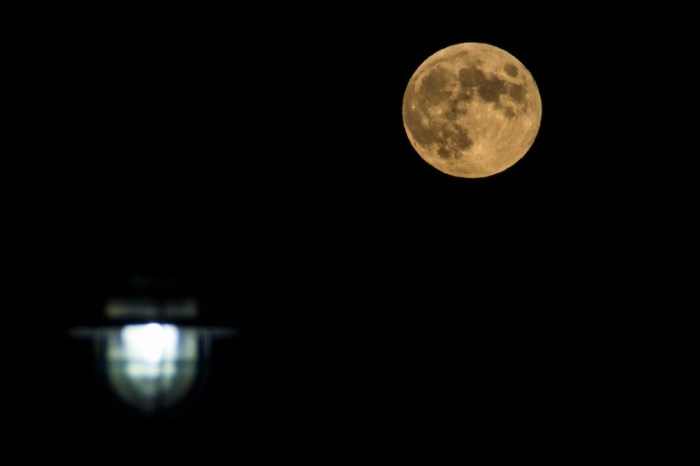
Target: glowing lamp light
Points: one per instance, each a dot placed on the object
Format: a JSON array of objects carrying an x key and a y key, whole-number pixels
[{"x": 152, "y": 366}]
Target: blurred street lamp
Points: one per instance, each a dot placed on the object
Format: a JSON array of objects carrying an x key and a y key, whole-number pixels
[{"x": 150, "y": 352}]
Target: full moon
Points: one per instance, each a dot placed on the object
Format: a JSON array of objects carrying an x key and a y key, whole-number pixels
[{"x": 472, "y": 110}]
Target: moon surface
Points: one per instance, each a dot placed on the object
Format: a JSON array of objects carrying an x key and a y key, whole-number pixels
[{"x": 472, "y": 110}]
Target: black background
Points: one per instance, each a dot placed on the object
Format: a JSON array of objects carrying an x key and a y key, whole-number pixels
[{"x": 382, "y": 305}]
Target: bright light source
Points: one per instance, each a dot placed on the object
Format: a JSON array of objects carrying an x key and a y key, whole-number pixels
[
  {"x": 150, "y": 343},
  {"x": 152, "y": 365}
]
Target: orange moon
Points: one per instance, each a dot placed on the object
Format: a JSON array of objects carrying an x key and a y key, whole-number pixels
[{"x": 472, "y": 110}]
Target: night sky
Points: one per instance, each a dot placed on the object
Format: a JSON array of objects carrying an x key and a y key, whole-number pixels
[{"x": 380, "y": 303}]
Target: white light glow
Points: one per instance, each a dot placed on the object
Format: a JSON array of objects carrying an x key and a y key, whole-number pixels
[
  {"x": 150, "y": 349},
  {"x": 152, "y": 365},
  {"x": 150, "y": 343}
]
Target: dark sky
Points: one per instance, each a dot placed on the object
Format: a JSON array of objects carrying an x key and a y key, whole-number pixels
[{"x": 380, "y": 301}]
